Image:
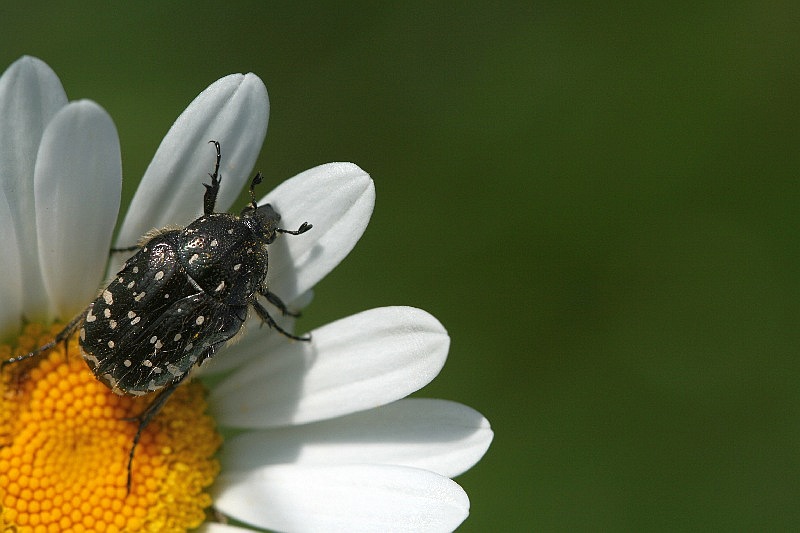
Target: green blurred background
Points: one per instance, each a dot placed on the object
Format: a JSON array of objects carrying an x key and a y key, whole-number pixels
[{"x": 600, "y": 204}]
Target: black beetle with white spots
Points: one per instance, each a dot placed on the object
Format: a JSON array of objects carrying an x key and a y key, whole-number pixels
[{"x": 177, "y": 300}]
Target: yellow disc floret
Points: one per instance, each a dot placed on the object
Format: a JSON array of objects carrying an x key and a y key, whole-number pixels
[{"x": 64, "y": 445}]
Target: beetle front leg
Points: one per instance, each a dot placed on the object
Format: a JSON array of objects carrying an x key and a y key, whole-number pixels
[{"x": 210, "y": 198}]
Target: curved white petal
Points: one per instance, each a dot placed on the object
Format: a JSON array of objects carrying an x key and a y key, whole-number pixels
[
  {"x": 30, "y": 94},
  {"x": 352, "y": 498},
  {"x": 437, "y": 435},
  {"x": 11, "y": 284},
  {"x": 234, "y": 111},
  {"x": 77, "y": 186},
  {"x": 337, "y": 199},
  {"x": 357, "y": 363}
]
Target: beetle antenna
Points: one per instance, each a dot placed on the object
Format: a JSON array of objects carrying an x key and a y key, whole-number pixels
[{"x": 304, "y": 227}]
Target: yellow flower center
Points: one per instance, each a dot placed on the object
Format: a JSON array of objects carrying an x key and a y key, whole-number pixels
[{"x": 64, "y": 445}]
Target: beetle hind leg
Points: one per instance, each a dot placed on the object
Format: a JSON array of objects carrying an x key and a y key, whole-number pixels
[
  {"x": 144, "y": 419},
  {"x": 61, "y": 336}
]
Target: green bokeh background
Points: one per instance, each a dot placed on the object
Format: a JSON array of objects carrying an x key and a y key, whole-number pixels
[{"x": 601, "y": 204}]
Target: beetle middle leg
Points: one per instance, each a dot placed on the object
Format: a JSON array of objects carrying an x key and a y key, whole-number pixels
[
  {"x": 264, "y": 315},
  {"x": 123, "y": 249},
  {"x": 275, "y": 300}
]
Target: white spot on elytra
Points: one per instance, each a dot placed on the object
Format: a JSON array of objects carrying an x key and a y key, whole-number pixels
[
  {"x": 127, "y": 362},
  {"x": 108, "y": 297},
  {"x": 135, "y": 270},
  {"x": 131, "y": 314},
  {"x": 237, "y": 266},
  {"x": 110, "y": 344},
  {"x": 200, "y": 320},
  {"x": 107, "y": 312},
  {"x": 220, "y": 286},
  {"x": 214, "y": 243},
  {"x": 153, "y": 339},
  {"x": 112, "y": 324},
  {"x": 131, "y": 284},
  {"x": 159, "y": 345},
  {"x": 135, "y": 320},
  {"x": 159, "y": 275},
  {"x": 194, "y": 258},
  {"x": 147, "y": 362},
  {"x": 90, "y": 316},
  {"x": 188, "y": 347},
  {"x": 139, "y": 296},
  {"x": 177, "y": 337},
  {"x": 82, "y": 334}
]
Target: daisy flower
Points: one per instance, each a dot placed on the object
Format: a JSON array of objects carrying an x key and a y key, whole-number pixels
[{"x": 321, "y": 436}]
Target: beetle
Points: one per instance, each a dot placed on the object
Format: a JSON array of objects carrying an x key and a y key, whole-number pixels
[{"x": 177, "y": 300}]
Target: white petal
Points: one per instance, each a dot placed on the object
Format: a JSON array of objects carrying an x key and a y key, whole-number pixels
[
  {"x": 437, "y": 435},
  {"x": 357, "y": 363},
  {"x": 77, "y": 186},
  {"x": 337, "y": 199},
  {"x": 233, "y": 111},
  {"x": 30, "y": 94},
  {"x": 351, "y": 498},
  {"x": 11, "y": 284},
  {"x": 211, "y": 527}
]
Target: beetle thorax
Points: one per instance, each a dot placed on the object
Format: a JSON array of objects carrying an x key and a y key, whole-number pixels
[{"x": 225, "y": 256}]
